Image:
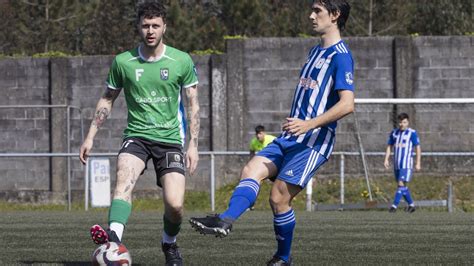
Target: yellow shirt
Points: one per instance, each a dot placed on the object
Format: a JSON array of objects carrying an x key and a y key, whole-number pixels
[{"x": 256, "y": 145}]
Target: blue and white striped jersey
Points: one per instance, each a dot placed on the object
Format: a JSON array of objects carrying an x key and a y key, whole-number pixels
[
  {"x": 403, "y": 142},
  {"x": 326, "y": 71}
]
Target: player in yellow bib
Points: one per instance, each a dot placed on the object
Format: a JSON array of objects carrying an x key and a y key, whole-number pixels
[
  {"x": 260, "y": 141},
  {"x": 152, "y": 77}
]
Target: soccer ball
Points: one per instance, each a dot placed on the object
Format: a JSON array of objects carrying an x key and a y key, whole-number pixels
[{"x": 111, "y": 254}]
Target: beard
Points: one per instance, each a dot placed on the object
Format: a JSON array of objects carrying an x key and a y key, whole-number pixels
[{"x": 151, "y": 46}]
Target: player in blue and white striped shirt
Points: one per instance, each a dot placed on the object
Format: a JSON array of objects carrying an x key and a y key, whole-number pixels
[
  {"x": 323, "y": 95},
  {"x": 403, "y": 140}
]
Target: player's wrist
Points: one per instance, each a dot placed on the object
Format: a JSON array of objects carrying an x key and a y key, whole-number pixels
[
  {"x": 192, "y": 147},
  {"x": 314, "y": 123}
]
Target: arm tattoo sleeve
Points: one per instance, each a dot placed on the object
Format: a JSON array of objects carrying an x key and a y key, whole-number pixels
[
  {"x": 100, "y": 117},
  {"x": 195, "y": 124},
  {"x": 194, "y": 115},
  {"x": 109, "y": 94}
]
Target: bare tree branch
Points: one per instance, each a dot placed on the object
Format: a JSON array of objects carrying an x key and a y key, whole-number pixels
[
  {"x": 63, "y": 18},
  {"x": 359, "y": 24},
  {"x": 29, "y": 3}
]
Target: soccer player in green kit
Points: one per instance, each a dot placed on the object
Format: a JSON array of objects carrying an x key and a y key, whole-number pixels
[{"x": 152, "y": 76}]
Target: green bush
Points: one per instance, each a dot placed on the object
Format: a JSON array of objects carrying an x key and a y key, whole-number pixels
[{"x": 325, "y": 190}]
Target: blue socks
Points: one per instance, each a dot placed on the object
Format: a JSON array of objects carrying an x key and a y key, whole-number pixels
[
  {"x": 402, "y": 192},
  {"x": 398, "y": 196},
  {"x": 244, "y": 196},
  {"x": 407, "y": 196},
  {"x": 284, "y": 225}
]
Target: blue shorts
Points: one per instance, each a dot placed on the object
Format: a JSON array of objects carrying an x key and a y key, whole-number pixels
[
  {"x": 296, "y": 162},
  {"x": 403, "y": 174}
]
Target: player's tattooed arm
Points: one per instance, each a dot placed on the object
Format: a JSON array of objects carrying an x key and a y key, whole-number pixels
[
  {"x": 195, "y": 121},
  {"x": 104, "y": 106},
  {"x": 100, "y": 117},
  {"x": 102, "y": 111},
  {"x": 192, "y": 156}
]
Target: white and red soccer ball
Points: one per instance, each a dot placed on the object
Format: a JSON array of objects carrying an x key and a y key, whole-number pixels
[{"x": 111, "y": 254}]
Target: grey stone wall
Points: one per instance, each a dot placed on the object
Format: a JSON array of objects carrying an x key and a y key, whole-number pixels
[
  {"x": 251, "y": 84},
  {"x": 24, "y": 82}
]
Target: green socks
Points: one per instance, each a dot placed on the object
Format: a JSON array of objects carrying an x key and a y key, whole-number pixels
[
  {"x": 170, "y": 228},
  {"x": 119, "y": 211}
]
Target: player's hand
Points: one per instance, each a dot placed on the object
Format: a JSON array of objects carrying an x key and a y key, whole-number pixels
[
  {"x": 297, "y": 126},
  {"x": 85, "y": 149},
  {"x": 386, "y": 164},
  {"x": 192, "y": 159},
  {"x": 418, "y": 167}
]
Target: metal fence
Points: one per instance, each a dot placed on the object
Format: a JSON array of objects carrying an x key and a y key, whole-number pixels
[
  {"x": 341, "y": 156},
  {"x": 69, "y": 109}
]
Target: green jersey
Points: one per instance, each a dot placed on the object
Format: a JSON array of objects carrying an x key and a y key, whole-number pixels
[{"x": 153, "y": 93}]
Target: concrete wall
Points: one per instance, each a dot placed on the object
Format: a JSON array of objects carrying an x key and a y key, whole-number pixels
[
  {"x": 253, "y": 83},
  {"x": 24, "y": 82}
]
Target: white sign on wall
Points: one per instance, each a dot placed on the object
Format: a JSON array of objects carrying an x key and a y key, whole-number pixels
[{"x": 100, "y": 182}]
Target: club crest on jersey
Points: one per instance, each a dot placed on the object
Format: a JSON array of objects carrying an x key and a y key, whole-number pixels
[
  {"x": 164, "y": 73},
  {"x": 349, "y": 78}
]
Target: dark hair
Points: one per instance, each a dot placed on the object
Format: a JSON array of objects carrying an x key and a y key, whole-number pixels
[
  {"x": 259, "y": 129},
  {"x": 151, "y": 10},
  {"x": 402, "y": 116},
  {"x": 333, "y": 6}
]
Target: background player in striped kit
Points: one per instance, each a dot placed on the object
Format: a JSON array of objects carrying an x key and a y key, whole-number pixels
[
  {"x": 403, "y": 139},
  {"x": 323, "y": 95}
]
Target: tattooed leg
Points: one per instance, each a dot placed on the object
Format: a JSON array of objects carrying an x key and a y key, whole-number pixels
[{"x": 129, "y": 168}]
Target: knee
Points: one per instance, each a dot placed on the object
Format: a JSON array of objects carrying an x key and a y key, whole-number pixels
[
  {"x": 175, "y": 210},
  {"x": 249, "y": 172},
  {"x": 278, "y": 203}
]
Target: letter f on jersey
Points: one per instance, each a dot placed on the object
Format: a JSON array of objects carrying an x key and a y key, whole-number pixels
[{"x": 138, "y": 73}]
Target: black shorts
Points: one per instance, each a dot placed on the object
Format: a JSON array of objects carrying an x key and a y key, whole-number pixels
[{"x": 167, "y": 157}]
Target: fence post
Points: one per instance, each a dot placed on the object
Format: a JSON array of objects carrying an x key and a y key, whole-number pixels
[
  {"x": 68, "y": 139},
  {"x": 213, "y": 183},
  {"x": 86, "y": 186},
  {"x": 450, "y": 196},
  {"x": 342, "y": 179},
  {"x": 309, "y": 195}
]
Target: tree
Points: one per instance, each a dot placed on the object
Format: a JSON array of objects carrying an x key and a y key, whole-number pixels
[
  {"x": 379, "y": 17},
  {"x": 245, "y": 17},
  {"x": 442, "y": 17},
  {"x": 290, "y": 18},
  {"x": 42, "y": 25},
  {"x": 7, "y": 22},
  {"x": 110, "y": 27}
]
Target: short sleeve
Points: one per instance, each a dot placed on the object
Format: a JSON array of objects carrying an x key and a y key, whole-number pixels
[
  {"x": 391, "y": 139},
  {"x": 189, "y": 73},
  {"x": 251, "y": 145},
  {"x": 344, "y": 68},
  {"x": 115, "y": 78},
  {"x": 415, "y": 139}
]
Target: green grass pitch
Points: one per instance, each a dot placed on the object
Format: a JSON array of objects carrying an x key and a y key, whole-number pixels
[{"x": 328, "y": 238}]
